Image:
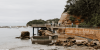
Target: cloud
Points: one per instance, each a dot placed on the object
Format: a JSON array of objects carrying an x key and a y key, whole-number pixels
[{"x": 27, "y": 10}]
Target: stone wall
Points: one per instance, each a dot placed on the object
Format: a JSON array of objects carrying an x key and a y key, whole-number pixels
[{"x": 84, "y": 32}]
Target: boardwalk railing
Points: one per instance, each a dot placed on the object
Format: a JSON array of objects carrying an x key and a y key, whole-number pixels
[
  {"x": 38, "y": 25},
  {"x": 47, "y": 25}
]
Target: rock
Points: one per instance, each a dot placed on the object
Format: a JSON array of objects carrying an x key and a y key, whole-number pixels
[
  {"x": 79, "y": 44},
  {"x": 17, "y": 37},
  {"x": 88, "y": 44},
  {"x": 96, "y": 47},
  {"x": 69, "y": 44},
  {"x": 71, "y": 38},
  {"x": 51, "y": 44},
  {"x": 64, "y": 44},
  {"x": 54, "y": 36},
  {"x": 58, "y": 43},
  {"x": 25, "y": 34},
  {"x": 61, "y": 31},
  {"x": 84, "y": 42},
  {"x": 40, "y": 32},
  {"x": 93, "y": 44},
  {"x": 96, "y": 42},
  {"x": 65, "y": 41},
  {"x": 45, "y": 33}
]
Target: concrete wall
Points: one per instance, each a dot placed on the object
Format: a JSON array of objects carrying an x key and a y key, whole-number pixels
[{"x": 84, "y": 32}]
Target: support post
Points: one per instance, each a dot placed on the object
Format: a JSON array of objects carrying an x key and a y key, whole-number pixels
[
  {"x": 76, "y": 26},
  {"x": 53, "y": 30},
  {"x": 33, "y": 31},
  {"x": 37, "y": 31}
]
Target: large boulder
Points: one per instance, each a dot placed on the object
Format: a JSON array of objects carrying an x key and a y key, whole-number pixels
[
  {"x": 45, "y": 33},
  {"x": 25, "y": 34},
  {"x": 82, "y": 42},
  {"x": 69, "y": 42},
  {"x": 61, "y": 31},
  {"x": 59, "y": 43},
  {"x": 94, "y": 42},
  {"x": 41, "y": 32}
]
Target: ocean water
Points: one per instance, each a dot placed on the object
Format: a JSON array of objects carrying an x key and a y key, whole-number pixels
[{"x": 9, "y": 42}]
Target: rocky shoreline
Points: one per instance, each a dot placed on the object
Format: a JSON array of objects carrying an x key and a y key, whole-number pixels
[{"x": 68, "y": 42}]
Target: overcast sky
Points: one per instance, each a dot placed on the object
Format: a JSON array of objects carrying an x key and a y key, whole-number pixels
[{"x": 19, "y": 12}]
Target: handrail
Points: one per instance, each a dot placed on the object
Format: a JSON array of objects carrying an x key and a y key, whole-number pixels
[{"x": 45, "y": 25}]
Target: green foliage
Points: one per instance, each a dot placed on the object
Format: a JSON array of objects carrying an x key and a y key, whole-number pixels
[
  {"x": 72, "y": 19},
  {"x": 95, "y": 21},
  {"x": 55, "y": 20},
  {"x": 87, "y": 9},
  {"x": 40, "y": 21}
]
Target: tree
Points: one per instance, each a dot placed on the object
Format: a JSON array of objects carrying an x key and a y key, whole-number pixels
[
  {"x": 40, "y": 21},
  {"x": 85, "y": 9},
  {"x": 55, "y": 20}
]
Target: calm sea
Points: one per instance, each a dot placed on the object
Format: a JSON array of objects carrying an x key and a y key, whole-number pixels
[{"x": 9, "y": 42}]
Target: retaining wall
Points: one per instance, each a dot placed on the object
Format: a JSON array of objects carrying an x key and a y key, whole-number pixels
[{"x": 84, "y": 32}]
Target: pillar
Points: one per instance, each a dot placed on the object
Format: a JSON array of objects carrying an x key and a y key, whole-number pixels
[
  {"x": 33, "y": 31},
  {"x": 53, "y": 30},
  {"x": 76, "y": 26},
  {"x": 53, "y": 23},
  {"x": 37, "y": 31}
]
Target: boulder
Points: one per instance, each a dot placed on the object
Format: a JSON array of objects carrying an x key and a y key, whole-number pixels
[
  {"x": 41, "y": 32},
  {"x": 59, "y": 43},
  {"x": 50, "y": 44},
  {"x": 71, "y": 38},
  {"x": 25, "y": 34},
  {"x": 64, "y": 44},
  {"x": 82, "y": 42},
  {"x": 94, "y": 41},
  {"x": 96, "y": 47},
  {"x": 88, "y": 44},
  {"x": 61, "y": 31},
  {"x": 69, "y": 44},
  {"x": 79, "y": 44},
  {"x": 17, "y": 37},
  {"x": 45, "y": 33}
]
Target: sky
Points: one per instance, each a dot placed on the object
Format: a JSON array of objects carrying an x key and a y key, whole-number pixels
[{"x": 19, "y": 12}]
